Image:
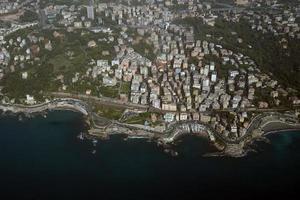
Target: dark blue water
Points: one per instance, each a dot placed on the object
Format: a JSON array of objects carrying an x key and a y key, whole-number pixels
[{"x": 42, "y": 159}]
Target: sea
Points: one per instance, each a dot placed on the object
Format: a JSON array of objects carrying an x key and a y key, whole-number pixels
[{"x": 42, "y": 158}]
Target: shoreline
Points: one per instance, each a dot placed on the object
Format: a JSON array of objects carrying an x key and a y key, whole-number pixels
[{"x": 258, "y": 128}]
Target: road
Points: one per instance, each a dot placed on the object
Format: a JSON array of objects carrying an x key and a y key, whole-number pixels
[
  {"x": 101, "y": 100},
  {"x": 261, "y": 120},
  {"x": 43, "y": 18},
  {"x": 128, "y": 105},
  {"x": 65, "y": 104},
  {"x": 226, "y": 8}
]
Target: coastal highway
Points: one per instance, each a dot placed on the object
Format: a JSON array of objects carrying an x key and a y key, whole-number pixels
[
  {"x": 254, "y": 124},
  {"x": 56, "y": 104},
  {"x": 100, "y": 122},
  {"x": 233, "y": 147},
  {"x": 77, "y": 101}
]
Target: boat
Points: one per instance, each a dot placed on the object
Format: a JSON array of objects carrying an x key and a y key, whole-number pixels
[
  {"x": 80, "y": 136},
  {"x": 20, "y": 118},
  {"x": 95, "y": 142},
  {"x": 174, "y": 153}
]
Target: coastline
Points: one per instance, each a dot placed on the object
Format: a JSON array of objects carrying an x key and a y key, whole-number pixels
[{"x": 258, "y": 128}]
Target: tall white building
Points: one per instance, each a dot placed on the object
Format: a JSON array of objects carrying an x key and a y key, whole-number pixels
[
  {"x": 214, "y": 77},
  {"x": 90, "y": 10}
]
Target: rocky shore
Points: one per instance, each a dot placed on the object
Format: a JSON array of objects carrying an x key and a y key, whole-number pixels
[{"x": 102, "y": 128}]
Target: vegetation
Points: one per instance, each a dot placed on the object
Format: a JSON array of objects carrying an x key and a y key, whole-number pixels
[
  {"x": 125, "y": 88},
  {"x": 139, "y": 119},
  {"x": 29, "y": 16},
  {"x": 144, "y": 49},
  {"x": 178, "y": 7},
  {"x": 263, "y": 94},
  {"x": 69, "y": 55},
  {"x": 112, "y": 92},
  {"x": 40, "y": 79},
  {"x": 108, "y": 111}
]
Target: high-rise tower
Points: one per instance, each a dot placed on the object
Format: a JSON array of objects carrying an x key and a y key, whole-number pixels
[{"x": 90, "y": 10}]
